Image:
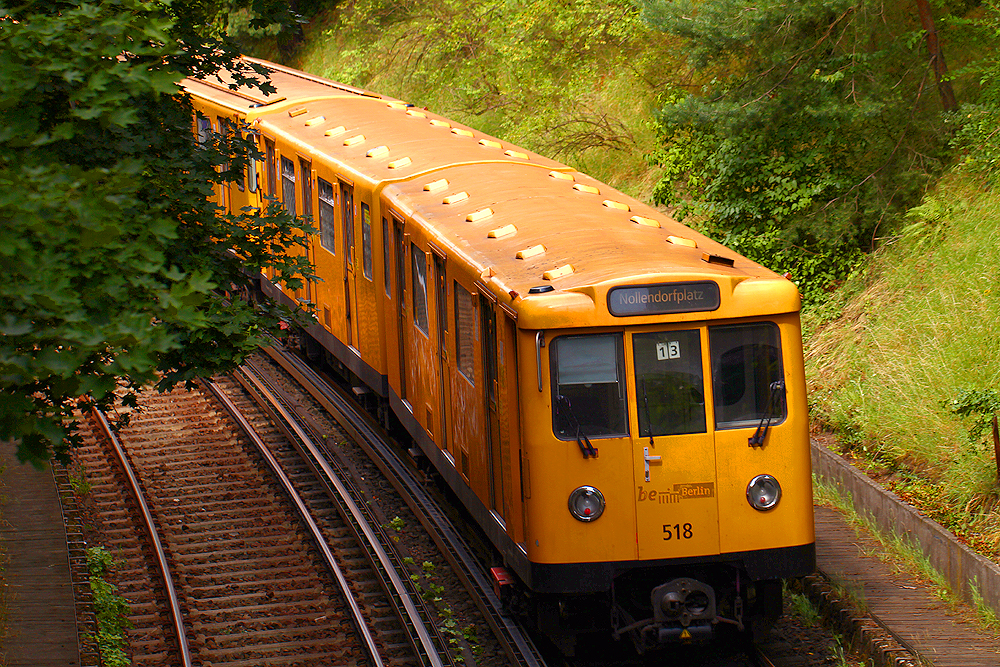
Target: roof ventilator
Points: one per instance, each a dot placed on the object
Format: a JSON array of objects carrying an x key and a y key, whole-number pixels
[{"x": 717, "y": 259}]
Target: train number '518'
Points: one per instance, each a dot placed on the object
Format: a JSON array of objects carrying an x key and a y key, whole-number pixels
[{"x": 677, "y": 531}]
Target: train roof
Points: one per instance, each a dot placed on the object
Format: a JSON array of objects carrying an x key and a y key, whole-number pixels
[{"x": 525, "y": 221}]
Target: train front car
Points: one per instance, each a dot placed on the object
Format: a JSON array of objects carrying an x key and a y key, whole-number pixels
[{"x": 666, "y": 437}]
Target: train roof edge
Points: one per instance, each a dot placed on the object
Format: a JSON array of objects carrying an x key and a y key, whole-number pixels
[{"x": 593, "y": 238}]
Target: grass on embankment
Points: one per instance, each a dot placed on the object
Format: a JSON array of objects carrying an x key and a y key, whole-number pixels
[
  {"x": 918, "y": 330},
  {"x": 577, "y": 82}
]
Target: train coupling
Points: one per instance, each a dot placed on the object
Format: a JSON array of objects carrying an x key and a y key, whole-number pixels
[{"x": 683, "y": 610}]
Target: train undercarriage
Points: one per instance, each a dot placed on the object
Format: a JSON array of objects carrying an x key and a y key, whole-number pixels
[{"x": 651, "y": 610}]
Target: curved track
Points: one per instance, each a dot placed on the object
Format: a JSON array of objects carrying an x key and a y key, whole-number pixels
[
  {"x": 517, "y": 644},
  {"x": 250, "y": 578},
  {"x": 253, "y": 588}
]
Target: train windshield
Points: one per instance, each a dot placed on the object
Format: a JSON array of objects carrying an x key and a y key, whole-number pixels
[
  {"x": 669, "y": 382},
  {"x": 588, "y": 378},
  {"x": 747, "y": 376},
  {"x": 589, "y": 386}
]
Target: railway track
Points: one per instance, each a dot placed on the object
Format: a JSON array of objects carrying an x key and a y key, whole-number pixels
[
  {"x": 323, "y": 485},
  {"x": 518, "y": 647},
  {"x": 251, "y": 584},
  {"x": 467, "y": 584}
]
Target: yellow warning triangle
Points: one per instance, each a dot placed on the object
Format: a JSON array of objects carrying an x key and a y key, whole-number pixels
[{"x": 685, "y": 634}]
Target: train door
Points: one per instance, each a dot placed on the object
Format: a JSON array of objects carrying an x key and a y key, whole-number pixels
[
  {"x": 441, "y": 299},
  {"x": 510, "y": 419},
  {"x": 347, "y": 215},
  {"x": 327, "y": 293},
  {"x": 305, "y": 177},
  {"x": 488, "y": 321},
  {"x": 673, "y": 447},
  {"x": 400, "y": 246},
  {"x": 225, "y": 129}
]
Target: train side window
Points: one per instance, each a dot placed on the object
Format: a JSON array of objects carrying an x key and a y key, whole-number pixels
[
  {"x": 228, "y": 131},
  {"x": 204, "y": 129},
  {"x": 366, "y": 240},
  {"x": 288, "y": 184},
  {"x": 419, "y": 291},
  {"x": 305, "y": 173},
  {"x": 327, "y": 213},
  {"x": 386, "y": 258},
  {"x": 252, "y": 167},
  {"x": 272, "y": 174},
  {"x": 747, "y": 375},
  {"x": 669, "y": 383},
  {"x": 465, "y": 331},
  {"x": 588, "y": 386}
]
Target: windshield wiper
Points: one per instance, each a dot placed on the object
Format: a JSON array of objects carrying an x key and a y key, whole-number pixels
[
  {"x": 649, "y": 421},
  {"x": 757, "y": 439},
  {"x": 582, "y": 440}
]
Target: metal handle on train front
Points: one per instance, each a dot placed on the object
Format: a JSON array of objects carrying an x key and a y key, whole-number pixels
[{"x": 539, "y": 344}]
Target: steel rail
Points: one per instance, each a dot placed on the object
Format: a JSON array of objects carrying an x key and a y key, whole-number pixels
[
  {"x": 428, "y": 652},
  {"x": 328, "y": 556},
  {"x": 154, "y": 538},
  {"x": 518, "y": 645},
  {"x": 760, "y": 658}
]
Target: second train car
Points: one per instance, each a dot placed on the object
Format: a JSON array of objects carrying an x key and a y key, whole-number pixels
[{"x": 617, "y": 400}]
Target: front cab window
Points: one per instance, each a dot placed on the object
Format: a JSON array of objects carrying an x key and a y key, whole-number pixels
[
  {"x": 747, "y": 375},
  {"x": 588, "y": 386}
]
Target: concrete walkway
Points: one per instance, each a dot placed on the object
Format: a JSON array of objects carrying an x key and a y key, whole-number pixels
[
  {"x": 908, "y": 607},
  {"x": 42, "y": 628}
]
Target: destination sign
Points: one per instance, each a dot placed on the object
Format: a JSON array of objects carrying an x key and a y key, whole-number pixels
[{"x": 663, "y": 298}]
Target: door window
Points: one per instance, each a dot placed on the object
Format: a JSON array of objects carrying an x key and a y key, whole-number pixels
[
  {"x": 288, "y": 184},
  {"x": 386, "y": 258},
  {"x": 305, "y": 172},
  {"x": 465, "y": 330},
  {"x": 272, "y": 178},
  {"x": 204, "y": 130},
  {"x": 347, "y": 201},
  {"x": 419, "y": 264},
  {"x": 366, "y": 240},
  {"x": 670, "y": 390},
  {"x": 327, "y": 207}
]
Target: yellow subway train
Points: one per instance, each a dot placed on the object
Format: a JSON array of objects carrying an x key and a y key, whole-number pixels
[{"x": 617, "y": 400}]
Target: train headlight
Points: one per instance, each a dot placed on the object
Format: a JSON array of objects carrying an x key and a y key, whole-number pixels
[
  {"x": 586, "y": 503},
  {"x": 763, "y": 492}
]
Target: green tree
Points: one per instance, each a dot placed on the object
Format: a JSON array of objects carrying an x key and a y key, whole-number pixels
[
  {"x": 977, "y": 135},
  {"x": 113, "y": 261},
  {"x": 815, "y": 123},
  {"x": 535, "y": 73}
]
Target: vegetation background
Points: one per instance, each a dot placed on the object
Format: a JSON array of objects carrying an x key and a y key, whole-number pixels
[{"x": 851, "y": 143}]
